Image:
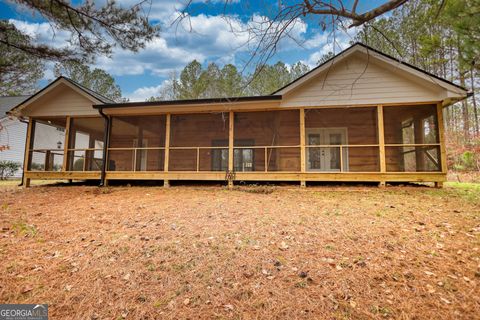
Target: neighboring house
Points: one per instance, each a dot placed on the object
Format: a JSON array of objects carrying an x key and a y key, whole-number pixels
[
  {"x": 360, "y": 116},
  {"x": 12, "y": 133}
]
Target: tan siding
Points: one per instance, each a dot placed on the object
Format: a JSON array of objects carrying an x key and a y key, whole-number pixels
[
  {"x": 357, "y": 80},
  {"x": 60, "y": 101}
]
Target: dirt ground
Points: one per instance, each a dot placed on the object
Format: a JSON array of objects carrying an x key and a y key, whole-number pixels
[{"x": 192, "y": 252}]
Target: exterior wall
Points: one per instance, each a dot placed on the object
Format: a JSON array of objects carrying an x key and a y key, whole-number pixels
[
  {"x": 270, "y": 128},
  {"x": 62, "y": 100},
  {"x": 129, "y": 132},
  {"x": 359, "y": 81},
  {"x": 362, "y": 130},
  {"x": 196, "y": 130},
  {"x": 13, "y": 134}
]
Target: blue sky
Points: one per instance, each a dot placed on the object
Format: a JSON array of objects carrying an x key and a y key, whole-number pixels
[{"x": 140, "y": 75}]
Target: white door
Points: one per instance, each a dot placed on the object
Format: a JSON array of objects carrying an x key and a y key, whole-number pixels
[{"x": 323, "y": 158}]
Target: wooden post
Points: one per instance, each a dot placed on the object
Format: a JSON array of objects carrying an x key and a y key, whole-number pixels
[
  {"x": 341, "y": 158},
  {"x": 231, "y": 120},
  {"x": 419, "y": 155},
  {"x": 381, "y": 142},
  {"x": 66, "y": 144},
  {"x": 166, "y": 183},
  {"x": 441, "y": 138},
  {"x": 139, "y": 155},
  {"x": 303, "y": 183},
  {"x": 46, "y": 164},
  {"x": 198, "y": 159},
  {"x": 90, "y": 154},
  {"x": 266, "y": 159},
  {"x": 27, "y": 157},
  {"x": 106, "y": 146}
]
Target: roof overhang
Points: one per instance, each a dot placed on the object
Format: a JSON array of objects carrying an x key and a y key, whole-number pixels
[{"x": 193, "y": 105}]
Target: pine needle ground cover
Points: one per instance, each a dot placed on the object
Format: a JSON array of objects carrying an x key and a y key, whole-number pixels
[{"x": 207, "y": 252}]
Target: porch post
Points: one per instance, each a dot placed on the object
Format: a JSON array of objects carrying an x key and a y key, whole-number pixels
[
  {"x": 28, "y": 147},
  {"x": 441, "y": 140},
  {"x": 381, "y": 142},
  {"x": 66, "y": 142},
  {"x": 166, "y": 182},
  {"x": 302, "y": 145},
  {"x": 231, "y": 120}
]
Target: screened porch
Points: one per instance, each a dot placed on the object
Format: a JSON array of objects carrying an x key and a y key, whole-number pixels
[{"x": 371, "y": 139}]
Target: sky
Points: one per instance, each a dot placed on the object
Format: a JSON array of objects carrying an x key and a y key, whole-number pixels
[{"x": 206, "y": 36}]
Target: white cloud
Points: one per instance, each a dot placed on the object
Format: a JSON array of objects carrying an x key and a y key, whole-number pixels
[
  {"x": 201, "y": 37},
  {"x": 323, "y": 43},
  {"x": 157, "y": 58},
  {"x": 43, "y": 33},
  {"x": 319, "y": 39},
  {"x": 143, "y": 93}
]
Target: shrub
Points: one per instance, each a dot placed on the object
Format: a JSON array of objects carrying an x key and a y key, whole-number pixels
[{"x": 8, "y": 168}]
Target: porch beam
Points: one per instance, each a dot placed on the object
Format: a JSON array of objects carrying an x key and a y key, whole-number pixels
[
  {"x": 166, "y": 183},
  {"x": 66, "y": 143},
  {"x": 441, "y": 138},
  {"x": 381, "y": 141},
  {"x": 302, "y": 144}
]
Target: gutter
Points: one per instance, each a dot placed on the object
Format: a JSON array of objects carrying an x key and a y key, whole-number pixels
[{"x": 106, "y": 139}]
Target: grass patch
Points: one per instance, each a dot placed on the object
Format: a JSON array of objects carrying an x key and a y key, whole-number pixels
[
  {"x": 24, "y": 229},
  {"x": 466, "y": 190}
]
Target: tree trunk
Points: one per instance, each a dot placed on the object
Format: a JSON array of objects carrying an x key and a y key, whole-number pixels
[
  {"x": 466, "y": 122},
  {"x": 466, "y": 117},
  {"x": 475, "y": 113}
]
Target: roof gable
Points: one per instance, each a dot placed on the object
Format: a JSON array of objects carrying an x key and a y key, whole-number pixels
[
  {"x": 370, "y": 55},
  {"x": 64, "y": 90}
]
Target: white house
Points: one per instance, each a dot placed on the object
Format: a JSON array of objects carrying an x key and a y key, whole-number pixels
[{"x": 12, "y": 132}]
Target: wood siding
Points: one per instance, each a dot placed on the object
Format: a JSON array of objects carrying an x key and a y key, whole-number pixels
[
  {"x": 61, "y": 100},
  {"x": 357, "y": 80}
]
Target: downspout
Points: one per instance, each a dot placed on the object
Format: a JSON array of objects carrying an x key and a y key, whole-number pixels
[
  {"x": 106, "y": 138},
  {"x": 24, "y": 164}
]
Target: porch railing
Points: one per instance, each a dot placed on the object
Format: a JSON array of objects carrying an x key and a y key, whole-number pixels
[
  {"x": 50, "y": 159},
  {"x": 83, "y": 159}
]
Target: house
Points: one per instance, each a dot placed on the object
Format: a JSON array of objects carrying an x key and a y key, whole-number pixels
[
  {"x": 360, "y": 116},
  {"x": 12, "y": 133}
]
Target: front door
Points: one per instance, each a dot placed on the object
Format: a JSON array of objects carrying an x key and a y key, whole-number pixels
[{"x": 320, "y": 157}]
